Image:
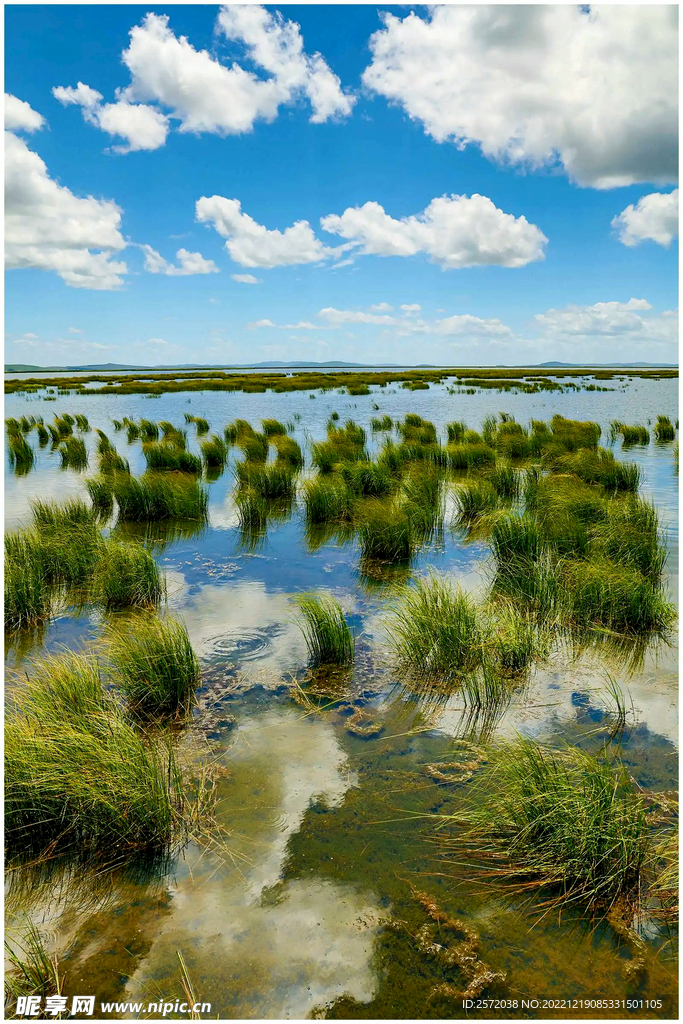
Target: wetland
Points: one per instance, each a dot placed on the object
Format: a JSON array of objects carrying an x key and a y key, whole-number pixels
[{"x": 338, "y": 697}]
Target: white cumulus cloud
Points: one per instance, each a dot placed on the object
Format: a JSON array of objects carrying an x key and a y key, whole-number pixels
[
  {"x": 253, "y": 245},
  {"x": 381, "y": 307},
  {"x": 142, "y": 126},
  {"x": 49, "y": 228},
  {"x": 454, "y": 231},
  {"x": 653, "y": 217},
  {"x": 629, "y": 321},
  {"x": 593, "y": 88},
  {"x": 172, "y": 81},
  {"x": 190, "y": 263},
  {"x": 20, "y": 115}
]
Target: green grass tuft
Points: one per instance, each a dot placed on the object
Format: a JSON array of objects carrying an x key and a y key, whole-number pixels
[
  {"x": 561, "y": 821},
  {"x": 155, "y": 666},
  {"x": 126, "y": 576},
  {"x": 327, "y": 634},
  {"x": 434, "y": 631}
]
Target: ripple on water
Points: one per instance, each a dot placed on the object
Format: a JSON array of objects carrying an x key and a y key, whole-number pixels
[{"x": 242, "y": 644}]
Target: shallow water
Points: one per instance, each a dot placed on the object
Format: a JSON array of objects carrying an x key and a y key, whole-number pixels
[{"x": 310, "y": 906}]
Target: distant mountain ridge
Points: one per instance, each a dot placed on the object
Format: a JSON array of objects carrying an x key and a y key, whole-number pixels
[{"x": 280, "y": 364}]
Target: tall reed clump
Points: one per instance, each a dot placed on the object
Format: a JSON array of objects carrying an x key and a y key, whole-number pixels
[
  {"x": 101, "y": 496},
  {"x": 630, "y": 434},
  {"x": 154, "y": 664},
  {"x": 272, "y": 428},
  {"x": 367, "y": 479},
  {"x": 254, "y": 446},
  {"x": 214, "y": 452},
  {"x": 470, "y": 455},
  {"x": 273, "y": 481},
  {"x": 434, "y": 632},
  {"x": 629, "y": 534},
  {"x": 664, "y": 429},
  {"x": 165, "y": 457},
  {"x": 149, "y": 431},
  {"x": 456, "y": 431},
  {"x": 326, "y": 631},
  {"x": 288, "y": 452},
  {"x": 561, "y": 821},
  {"x": 82, "y": 422},
  {"x": 505, "y": 481},
  {"x": 615, "y": 597},
  {"x": 386, "y": 532},
  {"x": 327, "y": 499},
  {"x": 154, "y": 497},
  {"x": 73, "y": 453},
  {"x": 343, "y": 444},
  {"x": 20, "y": 453},
  {"x": 78, "y": 776},
  {"x": 126, "y": 576},
  {"x": 381, "y": 423},
  {"x": 474, "y": 500},
  {"x": 27, "y": 592}
]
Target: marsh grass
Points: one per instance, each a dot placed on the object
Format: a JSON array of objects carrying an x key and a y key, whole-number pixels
[
  {"x": 272, "y": 427},
  {"x": 164, "y": 496},
  {"x": 381, "y": 423},
  {"x": 149, "y": 431},
  {"x": 327, "y": 634},
  {"x": 604, "y": 594},
  {"x": 327, "y": 499},
  {"x": 254, "y": 446},
  {"x": 61, "y": 515},
  {"x": 434, "y": 632},
  {"x": 512, "y": 641},
  {"x": 664, "y": 429},
  {"x": 43, "y": 435},
  {"x": 28, "y": 598},
  {"x": 82, "y": 422},
  {"x": 111, "y": 462},
  {"x": 505, "y": 481},
  {"x": 386, "y": 532},
  {"x": 78, "y": 775},
  {"x": 474, "y": 499},
  {"x": 367, "y": 479},
  {"x": 630, "y": 434},
  {"x": 214, "y": 452},
  {"x": 126, "y": 576},
  {"x": 102, "y": 496},
  {"x": 559, "y": 821},
  {"x": 269, "y": 482},
  {"x": 288, "y": 452},
  {"x": 31, "y": 971},
  {"x": 154, "y": 664},
  {"x": 456, "y": 431},
  {"x": 514, "y": 539},
  {"x": 165, "y": 457},
  {"x": 73, "y": 453},
  {"x": 470, "y": 455},
  {"x": 20, "y": 453},
  {"x": 629, "y": 535}
]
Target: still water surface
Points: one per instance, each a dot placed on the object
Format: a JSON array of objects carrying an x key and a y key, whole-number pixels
[{"x": 310, "y": 907}]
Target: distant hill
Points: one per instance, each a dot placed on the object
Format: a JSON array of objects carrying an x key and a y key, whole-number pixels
[{"x": 332, "y": 363}]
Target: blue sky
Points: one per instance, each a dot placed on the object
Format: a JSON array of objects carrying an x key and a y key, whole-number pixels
[{"x": 495, "y": 185}]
